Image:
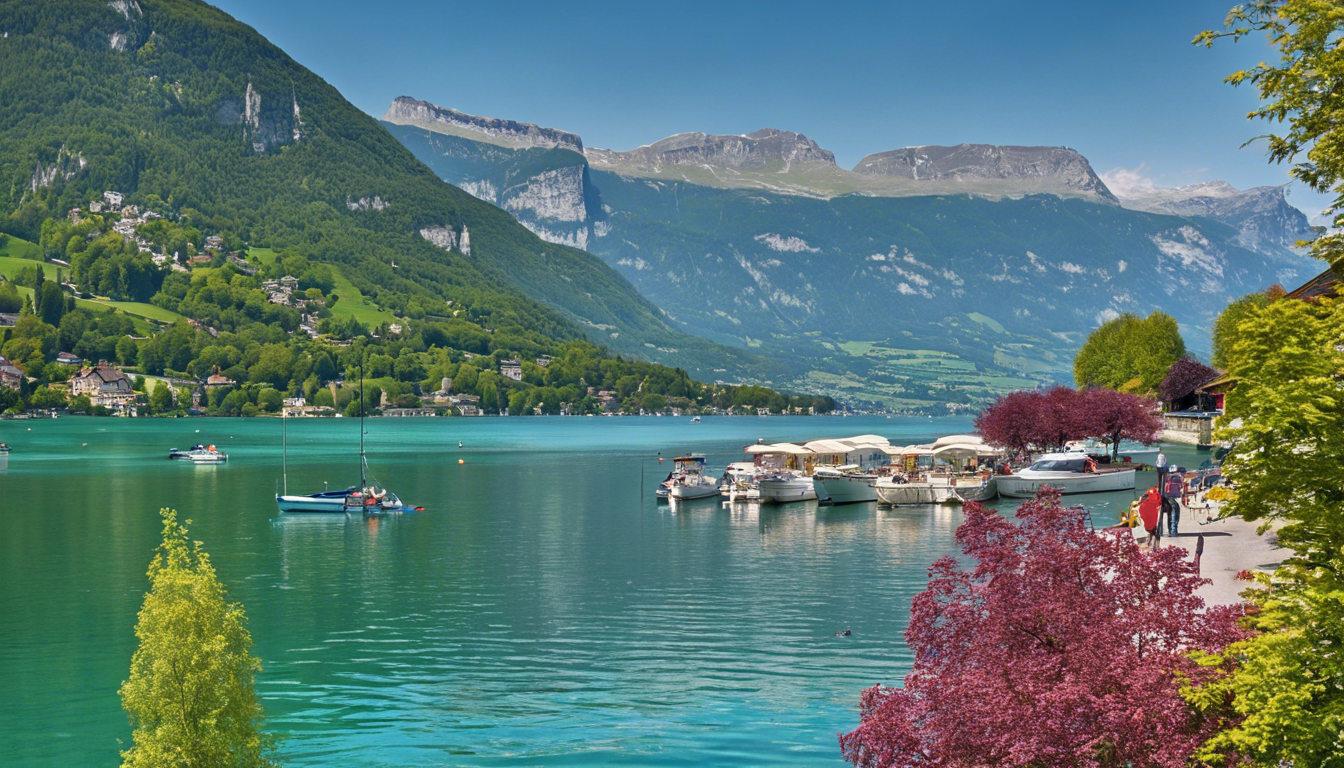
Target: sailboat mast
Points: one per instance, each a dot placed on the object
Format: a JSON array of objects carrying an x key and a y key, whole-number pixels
[
  {"x": 284, "y": 446},
  {"x": 363, "y": 482}
]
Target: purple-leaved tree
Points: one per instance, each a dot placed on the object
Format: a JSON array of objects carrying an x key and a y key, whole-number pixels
[{"x": 1054, "y": 646}]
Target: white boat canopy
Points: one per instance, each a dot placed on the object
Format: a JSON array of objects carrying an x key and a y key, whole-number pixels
[
  {"x": 958, "y": 440},
  {"x": 787, "y": 448},
  {"x": 908, "y": 450},
  {"x": 866, "y": 440},
  {"x": 829, "y": 447},
  {"x": 973, "y": 449}
]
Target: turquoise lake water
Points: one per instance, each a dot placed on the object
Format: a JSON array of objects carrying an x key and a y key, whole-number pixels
[{"x": 542, "y": 610}]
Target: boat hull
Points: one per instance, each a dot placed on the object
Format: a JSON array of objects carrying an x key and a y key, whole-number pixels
[
  {"x": 913, "y": 494},
  {"x": 319, "y": 504},
  {"x": 847, "y": 489},
  {"x": 786, "y": 490},
  {"x": 698, "y": 491},
  {"x": 1023, "y": 486},
  {"x": 986, "y": 491}
]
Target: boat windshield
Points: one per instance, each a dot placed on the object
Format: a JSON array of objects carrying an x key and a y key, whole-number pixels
[{"x": 1060, "y": 465}]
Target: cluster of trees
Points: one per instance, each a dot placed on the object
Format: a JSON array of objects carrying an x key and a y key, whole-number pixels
[
  {"x": 254, "y": 347},
  {"x": 1047, "y": 419},
  {"x": 1129, "y": 353}
]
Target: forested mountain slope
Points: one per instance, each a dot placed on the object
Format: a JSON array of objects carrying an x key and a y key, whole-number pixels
[{"x": 194, "y": 114}]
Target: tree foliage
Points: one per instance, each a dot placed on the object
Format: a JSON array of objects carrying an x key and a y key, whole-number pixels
[
  {"x": 1225, "y": 328},
  {"x": 1053, "y": 646},
  {"x": 1183, "y": 378},
  {"x": 1287, "y": 465},
  {"x": 190, "y": 693},
  {"x": 1048, "y": 419},
  {"x": 1129, "y": 353}
]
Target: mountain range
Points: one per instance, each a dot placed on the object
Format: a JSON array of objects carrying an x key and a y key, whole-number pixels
[{"x": 924, "y": 274}]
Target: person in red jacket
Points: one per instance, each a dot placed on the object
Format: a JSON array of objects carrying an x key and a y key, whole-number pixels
[{"x": 1150, "y": 516}]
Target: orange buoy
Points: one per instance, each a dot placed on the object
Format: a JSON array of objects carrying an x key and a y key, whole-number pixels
[{"x": 461, "y": 461}]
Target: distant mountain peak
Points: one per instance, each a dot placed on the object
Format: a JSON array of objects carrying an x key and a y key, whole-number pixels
[
  {"x": 1262, "y": 215},
  {"x": 767, "y": 147},
  {"x": 1047, "y": 167},
  {"x": 511, "y": 133}
]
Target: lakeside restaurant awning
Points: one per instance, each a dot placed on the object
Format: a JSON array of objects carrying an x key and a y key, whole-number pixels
[
  {"x": 788, "y": 448},
  {"x": 958, "y": 440},
  {"x": 908, "y": 450},
  {"x": 973, "y": 449},
  {"x": 865, "y": 440},
  {"x": 828, "y": 446}
]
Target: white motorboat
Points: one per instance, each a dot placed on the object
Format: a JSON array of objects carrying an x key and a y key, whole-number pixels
[
  {"x": 1068, "y": 473},
  {"x": 895, "y": 492},
  {"x": 207, "y": 455},
  {"x": 688, "y": 480},
  {"x": 845, "y": 485},
  {"x": 786, "y": 486}
]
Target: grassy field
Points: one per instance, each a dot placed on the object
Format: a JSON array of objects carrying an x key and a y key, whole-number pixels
[
  {"x": 20, "y": 249},
  {"x": 352, "y": 302},
  {"x": 10, "y": 265}
]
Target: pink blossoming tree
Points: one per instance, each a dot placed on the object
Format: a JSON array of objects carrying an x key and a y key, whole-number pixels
[{"x": 1055, "y": 647}]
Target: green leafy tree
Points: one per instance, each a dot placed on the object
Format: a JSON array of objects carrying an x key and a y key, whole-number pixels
[
  {"x": 161, "y": 399},
  {"x": 1225, "y": 328},
  {"x": 1287, "y": 466},
  {"x": 46, "y": 397},
  {"x": 1129, "y": 353},
  {"x": 190, "y": 694},
  {"x": 10, "y": 301}
]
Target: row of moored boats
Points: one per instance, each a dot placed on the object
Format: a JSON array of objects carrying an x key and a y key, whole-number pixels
[{"x": 868, "y": 468}]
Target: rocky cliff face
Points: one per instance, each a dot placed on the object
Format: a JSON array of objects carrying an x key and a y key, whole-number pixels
[
  {"x": 408, "y": 111},
  {"x": 1029, "y": 166},
  {"x": 1264, "y": 218},
  {"x": 546, "y": 190},
  {"x": 759, "y": 149}
]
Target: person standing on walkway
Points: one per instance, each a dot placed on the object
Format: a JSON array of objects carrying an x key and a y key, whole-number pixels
[
  {"x": 1171, "y": 501},
  {"x": 1161, "y": 464}
]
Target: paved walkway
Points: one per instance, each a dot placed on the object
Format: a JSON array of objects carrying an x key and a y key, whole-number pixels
[{"x": 1230, "y": 546}]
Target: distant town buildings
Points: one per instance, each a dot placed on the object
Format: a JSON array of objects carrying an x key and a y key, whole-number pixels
[
  {"x": 10, "y": 376},
  {"x": 104, "y": 386},
  {"x": 511, "y": 369}
]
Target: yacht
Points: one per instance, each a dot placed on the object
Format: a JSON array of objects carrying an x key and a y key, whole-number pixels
[
  {"x": 688, "y": 480},
  {"x": 845, "y": 485},
  {"x": 899, "y": 492},
  {"x": 784, "y": 486},
  {"x": 1067, "y": 473}
]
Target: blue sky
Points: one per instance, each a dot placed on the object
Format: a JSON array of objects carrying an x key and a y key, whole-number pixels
[{"x": 1119, "y": 82}]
